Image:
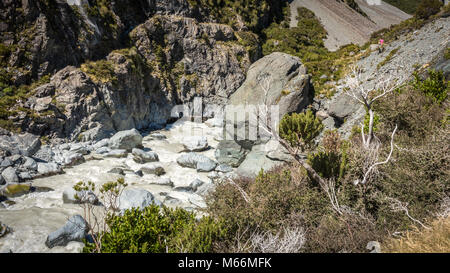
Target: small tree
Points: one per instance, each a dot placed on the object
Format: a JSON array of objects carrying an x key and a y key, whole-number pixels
[
  {"x": 300, "y": 129},
  {"x": 97, "y": 217},
  {"x": 360, "y": 91}
]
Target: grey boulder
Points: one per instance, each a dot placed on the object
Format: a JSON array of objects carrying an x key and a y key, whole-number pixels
[
  {"x": 196, "y": 161},
  {"x": 136, "y": 198},
  {"x": 195, "y": 143},
  {"x": 75, "y": 229},
  {"x": 127, "y": 140}
]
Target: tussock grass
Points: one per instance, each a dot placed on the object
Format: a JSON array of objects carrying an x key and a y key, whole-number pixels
[{"x": 434, "y": 240}]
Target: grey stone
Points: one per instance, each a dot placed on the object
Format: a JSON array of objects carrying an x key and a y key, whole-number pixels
[
  {"x": 196, "y": 161},
  {"x": 141, "y": 156},
  {"x": 6, "y": 163},
  {"x": 229, "y": 152},
  {"x": 103, "y": 150},
  {"x": 136, "y": 198},
  {"x": 10, "y": 175},
  {"x": 153, "y": 168},
  {"x": 254, "y": 162},
  {"x": 48, "y": 168},
  {"x": 195, "y": 143},
  {"x": 224, "y": 168},
  {"x": 100, "y": 144},
  {"x": 30, "y": 164},
  {"x": 163, "y": 181},
  {"x": 118, "y": 153},
  {"x": 75, "y": 229},
  {"x": 117, "y": 171},
  {"x": 196, "y": 184},
  {"x": 25, "y": 176},
  {"x": 127, "y": 140},
  {"x": 24, "y": 144}
]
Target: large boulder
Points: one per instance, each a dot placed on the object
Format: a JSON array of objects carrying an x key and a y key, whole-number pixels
[
  {"x": 126, "y": 140},
  {"x": 15, "y": 189},
  {"x": 75, "y": 229},
  {"x": 136, "y": 198},
  {"x": 153, "y": 168},
  {"x": 255, "y": 162},
  {"x": 277, "y": 79},
  {"x": 24, "y": 144},
  {"x": 229, "y": 152}
]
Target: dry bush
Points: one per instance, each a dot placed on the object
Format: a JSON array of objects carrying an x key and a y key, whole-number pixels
[
  {"x": 434, "y": 240},
  {"x": 287, "y": 240}
]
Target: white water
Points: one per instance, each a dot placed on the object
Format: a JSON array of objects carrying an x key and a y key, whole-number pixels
[{"x": 35, "y": 215}]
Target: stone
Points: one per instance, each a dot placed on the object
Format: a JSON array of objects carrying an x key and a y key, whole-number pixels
[
  {"x": 100, "y": 144},
  {"x": 254, "y": 162},
  {"x": 25, "y": 176},
  {"x": 229, "y": 152},
  {"x": 276, "y": 79},
  {"x": 224, "y": 168},
  {"x": 10, "y": 175},
  {"x": 2, "y": 180},
  {"x": 103, "y": 150},
  {"x": 85, "y": 196},
  {"x": 4, "y": 229},
  {"x": 153, "y": 168},
  {"x": 163, "y": 181},
  {"x": 79, "y": 148},
  {"x": 342, "y": 106},
  {"x": 141, "y": 156},
  {"x": 118, "y": 153},
  {"x": 75, "y": 229},
  {"x": 136, "y": 198},
  {"x": 126, "y": 140},
  {"x": 24, "y": 144},
  {"x": 196, "y": 184},
  {"x": 30, "y": 164},
  {"x": 206, "y": 166},
  {"x": 195, "y": 143},
  {"x": 45, "y": 169},
  {"x": 117, "y": 171},
  {"x": 15, "y": 190},
  {"x": 196, "y": 161},
  {"x": 6, "y": 163}
]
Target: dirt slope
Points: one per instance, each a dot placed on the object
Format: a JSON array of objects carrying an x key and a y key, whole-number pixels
[{"x": 344, "y": 25}]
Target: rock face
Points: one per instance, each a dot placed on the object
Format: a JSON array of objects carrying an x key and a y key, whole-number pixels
[
  {"x": 137, "y": 87},
  {"x": 74, "y": 230},
  {"x": 277, "y": 79},
  {"x": 126, "y": 140}
]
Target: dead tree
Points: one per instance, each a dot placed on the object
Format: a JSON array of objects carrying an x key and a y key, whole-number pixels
[{"x": 360, "y": 91}]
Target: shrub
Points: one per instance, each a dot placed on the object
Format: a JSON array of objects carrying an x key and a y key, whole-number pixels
[
  {"x": 300, "y": 129},
  {"x": 101, "y": 71},
  {"x": 427, "y": 8},
  {"x": 330, "y": 160},
  {"x": 155, "y": 230},
  {"x": 279, "y": 198},
  {"x": 434, "y": 86}
]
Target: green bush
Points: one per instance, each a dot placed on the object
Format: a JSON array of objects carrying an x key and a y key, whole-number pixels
[
  {"x": 427, "y": 8},
  {"x": 300, "y": 129},
  {"x": 155, "y": 230},
  {"x": 434, "y": 86}
]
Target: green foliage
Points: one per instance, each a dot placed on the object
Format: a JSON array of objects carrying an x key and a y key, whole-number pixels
[
  {"x": 330, "y": 161},
  {"x": 300, "y": 129},
  {"x": 408, "y": 6},
  {"x": 427, "y": 8},
  {"x": 101, "y": 71},
  {"x": 376, "y": 121},
  {"x": 434, "y": 86},
  {"x": 254, "y": 14},
  {"x": 157, "y": 230}
]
